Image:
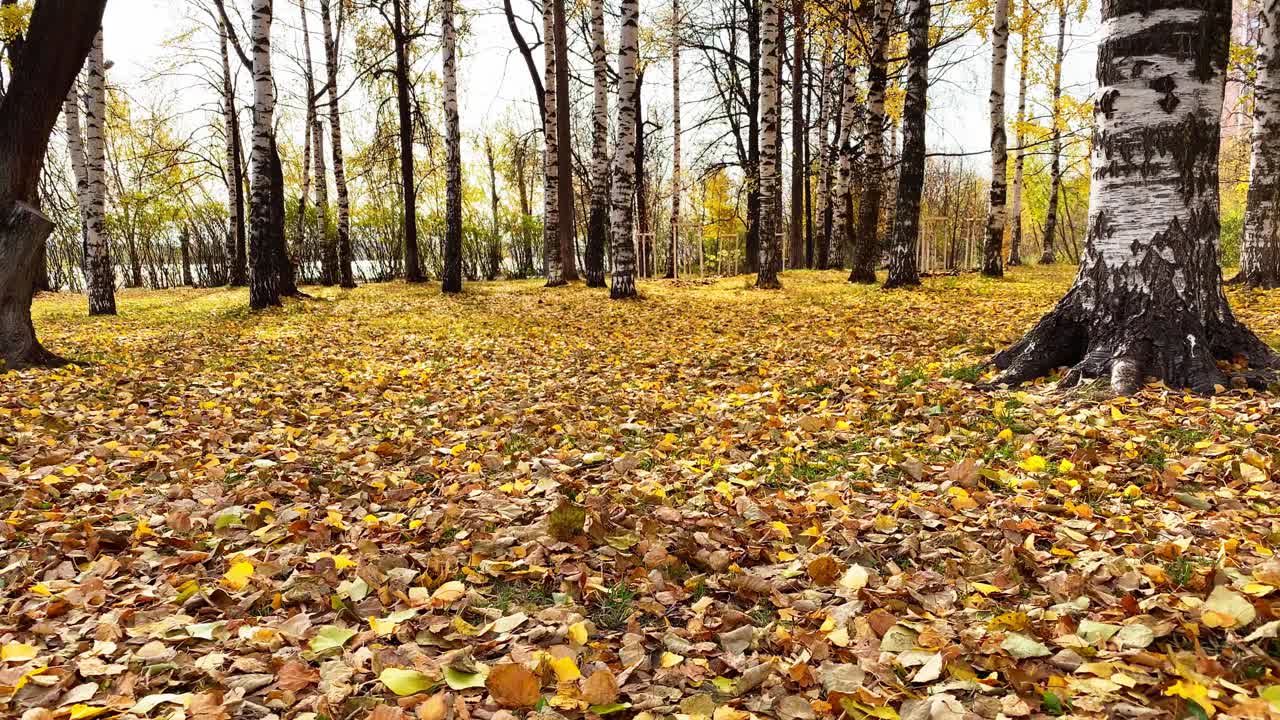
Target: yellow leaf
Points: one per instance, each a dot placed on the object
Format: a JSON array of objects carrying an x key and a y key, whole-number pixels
[
  {"x": 984, "y": 588},
  {"x": 566, "y": 669},
  {"x": 1035, "y": 463},
  {"x": 578, "y": 633},
  {"x": 18, "y": 652},
  {"x": 238, "y": 576},
  {"x": 1005, "y": 435},
  {"x": 782, "y": 529},
  {"x": 80, "y": 711},
  {"x": 670, "y": 659},
  {"x": 1194, "y": 692}
]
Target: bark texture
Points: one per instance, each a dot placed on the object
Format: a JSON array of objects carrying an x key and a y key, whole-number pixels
[
  {"x": 598, "y": 222},
  {"x": 552, "y": 251},
  {"x": 264, "y": 285},
  {"x": 841, "y": 223},
  {"x": 412, "y": 264},
  {"x": 328, "y": 241},
  {"x": 1020, "y": 140},
  {"x": 903, "y": 271},
  {"x": 1260, "y": 253},
  {"x": 236, "y": 242},
  {"x": 993, "y": 249},
  {"x": 826, "y": 99},
  {"x": 674, "y": 259},
  {"x": 623, "y": 281},
  {"x": 58, "y": 38},
  {"x": 452, "y": 281},
  {"x": 101, "y": 275},
  {"x": 564, "y": 145},
  {"x": 1047, "y": 256},
  {"x": 866, "y": 245},
  {"x": 345, "y": 275},
  {"x": 1148, "y": 300},
  {"x": 770, "y": 262}
]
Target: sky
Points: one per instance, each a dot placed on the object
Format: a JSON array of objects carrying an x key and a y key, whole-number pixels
[{"x": 493, "y": 77}]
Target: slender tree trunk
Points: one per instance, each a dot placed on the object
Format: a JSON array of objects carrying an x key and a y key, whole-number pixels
[
  {"x": 648, "y": 263},
  {"x": 346, "y": 276},
  {"x": 1148, "y": 298},
  {"x": 495, "y": 243},
  {"x": 101, "y": 279},
  {"x": 798, "y": 132},
  {"x": 842, "y": 182},
  {"x": 309, "y": 79},
  {"x": 286, "y": 278},
  {"x": 75, "y": 148},
  {"x": 552, "y": 250},
  {"x": 1260, "y": 252},
  {"x": 184, "y": 247},
  {"x": 598, "y": 223},
  {"x": 236, "y": 241},
  {"x": 866, "y": 250},
  {"x": 520, "y": 161},
  {"x": 673, "y": 260},
  {"x": 412, "y": 265},
  {"x": 264, "y": 283},
  {"x": 452, "y": 282},
  {"x": 770, "y": 262},
  {"x": 826, "y": 150},
  {"x": 753, "y": 136},
  {"x": 903, "y": 271},
  {"x": 623, "y": 250},
  {"x": 1055, "y": 163},
  {"x": 328, "y": 241},
  {"x": 993, "y": 250},
  {"x": 1020, "y": 139},
  {"x": 564, "y": 144}
]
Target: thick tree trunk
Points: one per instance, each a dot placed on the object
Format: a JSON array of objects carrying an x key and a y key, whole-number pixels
[
  {"x": 673, "y": 259},
  {"x": 58, "y": 38},
  {"x": 564, "y": 144},
  {"x": 1260, "y": 253},
  {"x": 452, "y": 280},
  {"x": 412, "y": 265},
  {"x": 623, "y": 249},
  {"x": 552, "y": 250},
  {"x": 798, "y": 132},
  {"x": 1148, "y": 299},
  {"x": 1055, "y": 163},
  {"x": 598, "y": 223},
  {"x": 866, "y": 245},
  {"x": 236, "y": 242},
  {"x": 346, "y": 276},
  {"x": 1020, "y": 139},
  {"x": 993, "y": 250},
  {"x": 770, "y": 261},
  {"x": 264, "y": 283},
  {"x": 903, "y": 271}
]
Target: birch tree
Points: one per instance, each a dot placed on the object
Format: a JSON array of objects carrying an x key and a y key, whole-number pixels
[
  {"x": 826, "y": 100},
  {"x": 623, "y": 281},
  {"x": 236, "y": 252},
  {"x": 841, "y": 181},
  {"x": 328, "y": 241},
  {"x": 1026, "y": 28},
  {"x": 1047, "y": 256},
  {"x": 799, "y": 164},
  {"x": 452, "y": 280},
  {"x": 552, "y": 251},
  {"x": 57, "y": 40},
  {"x": 993, "y": 250},
  {"x": 598, "y": 221},
  {"x": 346, "y": 277},
  {"x": 1260, "y": 251},
  {"x": 87, "y": 166},
  {"x": 264, "y": 286},
  {"x": 408, "y": 183},
  {"x": 770, "y": 263},
  {"x": 308, "y": 77},
  {"x": 866, "y": 245},
  {"x": 564, "y": 145},
  {"x": 675, "y": 140},
  {"x": 1148, "y": 298},
  {"x": 902, "y": 252}
]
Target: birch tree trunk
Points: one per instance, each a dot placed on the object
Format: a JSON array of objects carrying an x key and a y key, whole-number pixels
[
  {"x": 598, "y": 222},
  {"x": 673, "y": 260},
  {"x": 770, "y": 262},
  {"x": 993, "y": 250},
  {"x": 75, "y": 148},
  {"x": 1020, "y": 138},
  {"x": 495, "y": 242},
  {"x": 623, "y": 249},
  {"x": 842, "y": 158},
  {"x": 826, "y": 146},
  {"x": 236, "y": 241},
  {"x": 1148, "y": 298},
  {"x": 309, "y": 80},
  {"x": 866, "y": 244},
  {"x": 100, "y": 279},
  {"x": 412, "y": 264},
  {"x": 753, "y": 135},
  {"x": 452, "y": 280},
  {"x": 903, "y": 271},
  {"x": 328, "y": 241},
  {"x": 552, "y": 252},
  {"x": 1055, "y": 163},
  {"x": 798, "y": 132},
  {"x": 345, "y": 275},
  {"x": 564, "y": 145},
  {"x": 264, "y": 287},
  {"x": 1260, "y": 252}
]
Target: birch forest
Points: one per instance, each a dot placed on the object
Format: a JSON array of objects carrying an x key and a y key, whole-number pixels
[{"x": 623, "y": 360}]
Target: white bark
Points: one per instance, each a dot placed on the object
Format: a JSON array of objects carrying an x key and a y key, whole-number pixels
[
  {"x": 263, "y": 282},
  {"x": 551, "y": 250},
  {"x": 1020, "y": 138},
  {"x": 101, "y": 276},
  {"x": 235, "y": 189},
  {"x": 598, "y": 223},
  {"x": 675, "y": 138},
  {"x": 345, "y": 275},
  {"x": 623, "y": 282},
  {"x": 825, "y": 101},
  {"x": 1260, "y": 253},
  {"x": 993, "y": 260},
  {"x": 770, "y": 137},
  {"x": 452, "y": 281},
  {"x": 842, "y": 160}
]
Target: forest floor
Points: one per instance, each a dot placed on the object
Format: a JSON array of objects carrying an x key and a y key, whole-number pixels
[{"x": 715, "y": 503}]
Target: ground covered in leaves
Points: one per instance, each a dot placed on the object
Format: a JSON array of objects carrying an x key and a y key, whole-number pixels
[{"x": 713, "y": 504}]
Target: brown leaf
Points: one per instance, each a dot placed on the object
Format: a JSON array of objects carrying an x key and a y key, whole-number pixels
[
  {"x": 386, "y": 712},
  {"x": 514, "y": 686},
  {"x": 435, "y": 708},
  {"x": 824, "y": 570},
  {"x": 294, "y": 676},
  {"x": 207, "y": 706},
  {"x": 601, "y": 688}
]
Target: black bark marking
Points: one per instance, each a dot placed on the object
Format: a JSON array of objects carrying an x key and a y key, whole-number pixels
[{"x": 1165, "y": 86}]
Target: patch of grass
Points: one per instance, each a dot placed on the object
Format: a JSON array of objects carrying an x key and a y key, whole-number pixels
[
  {"x": 505, "y": 595},
  {"x": 910, "y": 377},
  {"x": 966, "y": 373},
  {"x": 613, "y": 608},
  {"x": 1181, "y": 570}
]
